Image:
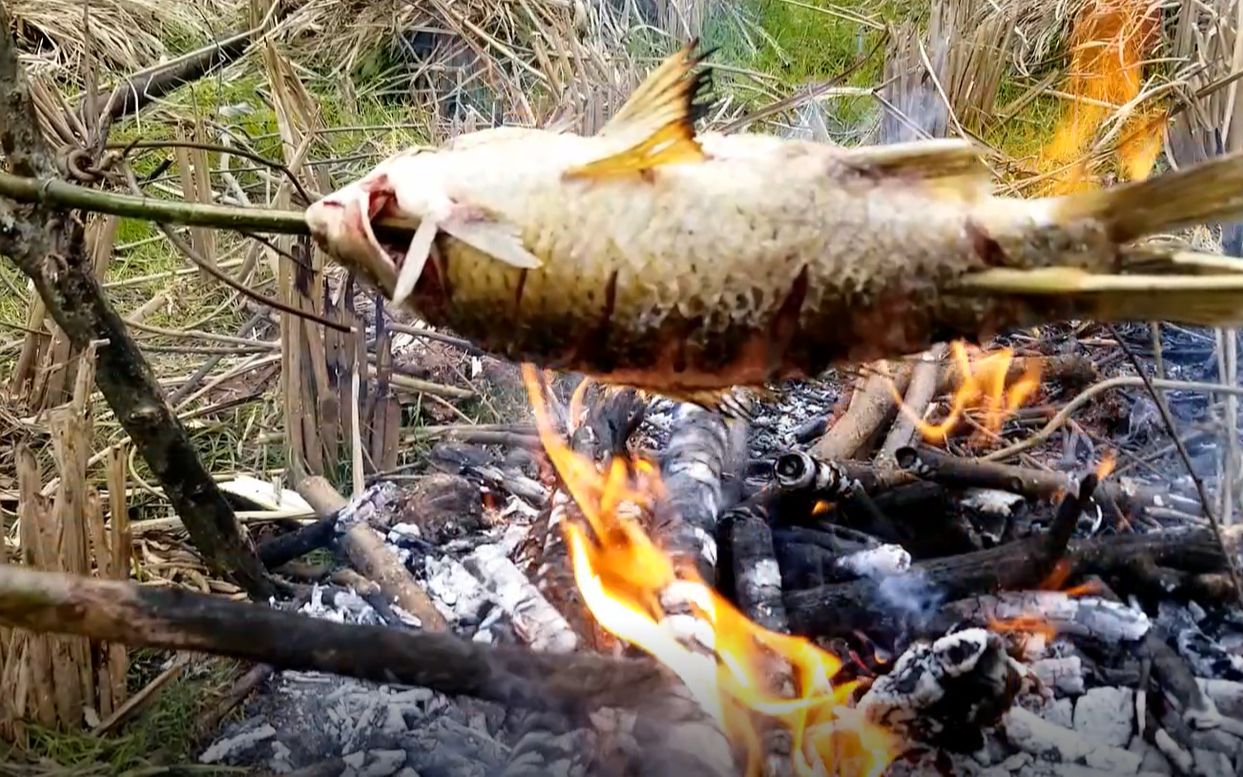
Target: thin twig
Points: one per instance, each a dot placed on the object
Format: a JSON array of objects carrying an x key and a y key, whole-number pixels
[{"x": 226, "y": 279}]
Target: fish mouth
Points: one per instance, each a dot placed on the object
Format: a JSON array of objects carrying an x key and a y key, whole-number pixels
[{"x": 347, "y": 226}]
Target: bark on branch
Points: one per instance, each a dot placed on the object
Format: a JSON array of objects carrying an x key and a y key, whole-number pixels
[{"x": 47, "y": 245}]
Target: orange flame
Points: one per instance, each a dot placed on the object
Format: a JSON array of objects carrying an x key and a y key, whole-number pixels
[
  {"x": 1109, "y": 44},
  {"x": 1106, "y": 466},
  {"x": 982, "y": 386},
  {"x": 1024, "y": 624},
  {"x": 624, "y": 579}
]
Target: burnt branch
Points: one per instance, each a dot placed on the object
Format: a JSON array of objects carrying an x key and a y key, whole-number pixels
[
  {"x": 937, "y": 466},
  {"x": 124, "y": 613},
  {"x": 47, "y": 246}
]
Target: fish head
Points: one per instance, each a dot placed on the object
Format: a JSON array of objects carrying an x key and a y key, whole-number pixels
[{"x": 361, "y": 226}]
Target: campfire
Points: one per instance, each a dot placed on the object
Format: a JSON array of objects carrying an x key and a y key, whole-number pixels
[{"x": 733, "y": 667}]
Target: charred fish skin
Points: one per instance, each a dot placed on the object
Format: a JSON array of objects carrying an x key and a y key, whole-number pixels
[{"x": 683, "y": 263}]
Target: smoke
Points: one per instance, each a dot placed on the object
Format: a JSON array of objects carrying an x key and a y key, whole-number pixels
[{"x": 912, "y": 597}]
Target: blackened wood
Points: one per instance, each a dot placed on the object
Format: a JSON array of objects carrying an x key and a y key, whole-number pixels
[
  {"x": 48, "y": 247},
  {"x": 685, "y": 523},
  {"x": 757, "y": 584},
  {"x": 867, "y": 605},
  {"x": 287, "y": 547},
  {"x": 177, "y": 619}
]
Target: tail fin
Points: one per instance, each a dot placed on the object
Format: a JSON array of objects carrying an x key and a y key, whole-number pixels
[
  {"x": 1192, "y": 300},
  {"x": 1209, "y": 192}
]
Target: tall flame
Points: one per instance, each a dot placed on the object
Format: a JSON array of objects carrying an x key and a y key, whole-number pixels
[
  {"x": 1109, "y": 43},
  {"x": 985, "y": 387},
  {"x": 624, "y": 578}
]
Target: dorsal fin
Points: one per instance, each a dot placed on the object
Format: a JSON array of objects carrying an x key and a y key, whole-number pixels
[
  {"x": 671, "y": 94},
  {"x": 659, "y": 117},
  {"x": 929, "y": 159}
]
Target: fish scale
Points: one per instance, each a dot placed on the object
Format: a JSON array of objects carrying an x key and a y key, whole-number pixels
[{"x": 690, "y": 263}]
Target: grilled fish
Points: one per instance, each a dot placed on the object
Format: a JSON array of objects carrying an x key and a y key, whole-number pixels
[{"x": 688, "y": 264}]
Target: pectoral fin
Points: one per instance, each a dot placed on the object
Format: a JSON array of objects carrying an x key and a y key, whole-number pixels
[
  {"x": 496, "y": 237},
  {"x": 940, "y": 158},
  {"x": 416, "y": 258}
]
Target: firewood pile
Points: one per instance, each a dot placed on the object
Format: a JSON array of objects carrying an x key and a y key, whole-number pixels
[{"x": 1069, "y": 615}]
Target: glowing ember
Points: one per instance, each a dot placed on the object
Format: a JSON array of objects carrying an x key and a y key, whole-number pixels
[
  {"x": 624, "y": 577},
  {"x": 1109, "y": 44},
  {"x": 983, "y": 388}
]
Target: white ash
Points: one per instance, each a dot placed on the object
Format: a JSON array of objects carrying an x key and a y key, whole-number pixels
[
  {"x": 707, "y": 545},
  {"x": 991, "y": 501},
  {"x": 1226, "y": 695},
  {"x": 1085, "y": 616},
  {"x": 346, "y": 607},
  {"x": 1183, "y": 761},
  {"x": 224, "y": 748},
  {"x": 309, "y": 718},
  {"x": 537, "y": 622},
  {"x": 457, "y": 594},
  {"x": 1106, "y": 715},
  {"x": 1212, "y": 764},
  {"x": 945, "y": 688},
  {"x": 1063, "y": 674},
  {"x": 401, "y": 533},
  {"x": 876, "y": 563},
  {"x": 370, "y": 507},
  {"x": 1051, "y": 742}
]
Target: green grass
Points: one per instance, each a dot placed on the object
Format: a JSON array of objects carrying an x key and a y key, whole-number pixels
[{"x": 164, "y": 734}]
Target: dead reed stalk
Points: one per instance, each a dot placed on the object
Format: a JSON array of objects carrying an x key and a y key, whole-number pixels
[{"x": 66, "y": 682}]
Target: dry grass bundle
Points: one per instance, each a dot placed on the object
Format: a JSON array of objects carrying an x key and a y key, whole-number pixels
[
  {"x": 481, "y": 61},
  {"x": 1040, "y": 29},
  {"x": 124, "y": 35},
  {"x": 1205, "y": 34},
  {"x": 65, "y": 682},
  {"x": 951, "y": 80}
]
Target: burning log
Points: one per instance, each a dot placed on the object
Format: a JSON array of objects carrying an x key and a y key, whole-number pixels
[
  {"x": 945, "y": 692},
  {"x": 1057, "y": 613},
  {"x": 1073, "y": 370},
  {"x": 756, "y": 573},
  {"x": 175, "y": 619}
]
